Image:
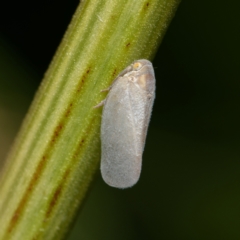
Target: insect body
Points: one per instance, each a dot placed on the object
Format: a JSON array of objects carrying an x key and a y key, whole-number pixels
[{"x": 125, "y": 119}]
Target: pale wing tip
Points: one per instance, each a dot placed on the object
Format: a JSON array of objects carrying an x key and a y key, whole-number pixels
[
  {"x": 120, "y": 185},
  {"x": 117, "y": 182}
]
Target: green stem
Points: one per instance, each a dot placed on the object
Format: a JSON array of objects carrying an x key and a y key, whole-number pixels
[{"x": 57, "y": 151}]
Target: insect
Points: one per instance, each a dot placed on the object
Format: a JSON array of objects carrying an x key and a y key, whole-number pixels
[{"x": 125, "y": 119}]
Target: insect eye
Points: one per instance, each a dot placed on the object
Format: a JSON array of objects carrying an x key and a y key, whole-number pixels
[{"x": 137, "y": 66}]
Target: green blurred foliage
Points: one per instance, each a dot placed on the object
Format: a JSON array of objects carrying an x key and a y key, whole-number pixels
[
  {"x": 18, "y": 83},
  {"x": 189, "y": 187}
]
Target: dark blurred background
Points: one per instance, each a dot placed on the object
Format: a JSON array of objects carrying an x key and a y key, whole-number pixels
[{"x": 190, "y": 183}]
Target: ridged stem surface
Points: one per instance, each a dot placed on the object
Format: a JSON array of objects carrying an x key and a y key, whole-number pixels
[{"x": 57, "y": 150}]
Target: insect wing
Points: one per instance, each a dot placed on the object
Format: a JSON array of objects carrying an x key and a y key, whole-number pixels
[{"x": 125, "y": 120}]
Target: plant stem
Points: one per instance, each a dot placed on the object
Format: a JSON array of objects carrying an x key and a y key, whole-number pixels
[{"x": 57, "y": 150}]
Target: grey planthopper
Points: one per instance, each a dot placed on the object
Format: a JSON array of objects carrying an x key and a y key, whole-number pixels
[{"x": 125, "y": 119}]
